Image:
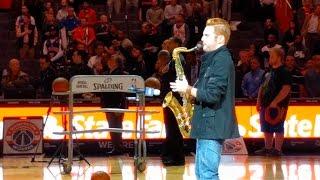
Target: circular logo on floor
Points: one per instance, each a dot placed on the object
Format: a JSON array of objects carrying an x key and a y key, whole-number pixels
[
  {"x": 22, "y": 136},
  {"x": 233, "y": 146}
]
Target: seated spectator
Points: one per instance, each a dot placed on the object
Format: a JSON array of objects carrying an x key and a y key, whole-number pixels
[
  {"x": 124, "y": 41},
  {"x": 48, "y": 8},
  {"x": 165, "y": 44},
  {"x": 252, "y": 80},
  {"x": 78, "y": 65},
  {"x": 67, "y": 25},
  {"x": 146, "y": 37},
  {"x": 24, "y": 13},
  {"x": 289, "y": 36},
  {"x": 112, "y": 50},
  {"x": 114, "y": 30},
  {"x": 244, "y": 59},
  {"x": 103, "y": 29},
  {"x": 70, "y": 22},
  {"x": 161, "y": 68},
  {"x": 47, "y": 13},
  {"x": 27, "y": 35},
  {"x": 135, "y": 65},
  {"x": 68, "y": 57},
  {"x": 311, "y": 30},
  {"x": 181, "y": 30},
  {"x": 195, "y": 20},
  {"x": 269, "y": 28},
  {"x": 155, "y": 14},
  {"x": 271, "y": 43},
  {"x": 95, "y": 61},
  {"x": 297, "y": 86},
  {"x": 47, "y": 76},
  {"x": 162, "y": 65},
  {"x": 192, "y": 7},
  {"x": 123, "y": 44},
  {"x": 171, "y": 11},
  {"x": 299, "y": 51},
  {"x": 116, "y": 48},
  {"x": 34, "y": 9},
  {"x": 53, "y": 46},
  {"x": 16, "y": 84},
  {"x": 85, "y": 35},
  {"x": 312, "y": 79},
  {"x": 242, "y": 68},
  {"x": 88, "y": 13},
  {"x": 255, "y": 51},
  {"x": 63, "y": 11},
  {"x": 148, "y": 41},
  {"x": 48, "y": 22}
]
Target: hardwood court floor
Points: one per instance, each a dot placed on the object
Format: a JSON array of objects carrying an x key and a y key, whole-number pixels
[{"x": 121, "y": 167}]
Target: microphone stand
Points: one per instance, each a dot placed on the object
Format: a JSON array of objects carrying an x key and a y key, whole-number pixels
[{"x": 42, "y": 130}]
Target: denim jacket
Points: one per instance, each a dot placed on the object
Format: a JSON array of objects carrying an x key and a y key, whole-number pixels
[{"x": 214, "y": 114}]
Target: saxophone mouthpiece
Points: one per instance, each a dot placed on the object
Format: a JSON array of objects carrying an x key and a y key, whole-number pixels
[{"x": 198, "y": 47}]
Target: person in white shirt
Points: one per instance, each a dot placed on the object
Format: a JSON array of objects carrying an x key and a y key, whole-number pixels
[
  {"x": 95, "y": 61},
  {"x": 63, "y": 12},
  {"x": 53, "y": 45},
  {"x": 272, "y": 43},
  {"x": 311, "y": 30},
  {"x": 171, "y": 11},
  {"x": 155, "y": 14},
  {"x": 24, "y": 12},
  {"x": 27, "y": 36},
  {"x": 181, "y": 30}
]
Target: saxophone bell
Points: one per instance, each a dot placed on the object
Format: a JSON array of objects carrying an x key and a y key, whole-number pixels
[{"x": 183, "y": 113}]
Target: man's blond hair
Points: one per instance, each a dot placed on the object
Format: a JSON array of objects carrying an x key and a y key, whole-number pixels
[
  {"x": 221, "y": 27},
  {"x": 279, "y": 52}
]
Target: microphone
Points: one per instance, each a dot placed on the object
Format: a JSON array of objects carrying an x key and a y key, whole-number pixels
[
  {"x": 152, "y": 87},
  {"x": 149, "y": 91}
]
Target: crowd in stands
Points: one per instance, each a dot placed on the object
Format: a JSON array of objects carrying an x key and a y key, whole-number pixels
[{"x": 69, "y": 39}]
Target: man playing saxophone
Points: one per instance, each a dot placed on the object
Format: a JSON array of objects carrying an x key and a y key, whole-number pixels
[{"x": 213, "y": 118}]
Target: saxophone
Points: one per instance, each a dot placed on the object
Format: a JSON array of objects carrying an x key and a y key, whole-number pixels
[{"x": 182, "y": 113}]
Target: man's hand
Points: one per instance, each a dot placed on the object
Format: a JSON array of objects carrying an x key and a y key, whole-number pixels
[{"x": 179, "y": 85}]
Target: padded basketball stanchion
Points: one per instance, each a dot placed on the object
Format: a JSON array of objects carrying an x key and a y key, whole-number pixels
[{"x": 109, "y": 83}]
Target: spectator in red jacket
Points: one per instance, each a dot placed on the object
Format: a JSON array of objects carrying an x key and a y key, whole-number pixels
[
  {"x": 88, "y": 13},
  {"x": 84, "y": 34}
]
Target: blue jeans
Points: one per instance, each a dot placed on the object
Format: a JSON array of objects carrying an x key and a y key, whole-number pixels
[{"x": 208, "y": 154}]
